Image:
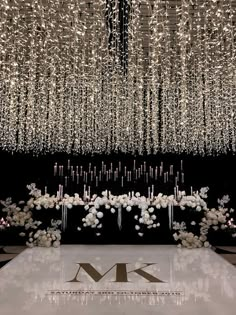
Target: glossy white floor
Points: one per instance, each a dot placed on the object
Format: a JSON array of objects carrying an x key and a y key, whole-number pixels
[{"x": 110, "y": 279}]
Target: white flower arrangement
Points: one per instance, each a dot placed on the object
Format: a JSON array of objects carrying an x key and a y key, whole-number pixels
[
  {"x": 92, "y": 219},
  {"x": 18, "y": 217},
  {"x": 189, "y": 240},
  {"x": 147, "y": 218},
  {"x": 21, "y": 215},
  {"x": 213, "y": 219},
  {"x": 44, "y": 238}
]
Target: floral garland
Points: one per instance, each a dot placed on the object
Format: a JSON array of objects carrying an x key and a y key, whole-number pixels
[{"x": 194, "y": 235}]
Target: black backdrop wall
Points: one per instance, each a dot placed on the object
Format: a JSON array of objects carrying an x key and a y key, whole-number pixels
[{"x": 18, "y": 170}]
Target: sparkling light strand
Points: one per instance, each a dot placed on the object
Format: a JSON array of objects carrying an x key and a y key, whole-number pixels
[{"x": 107, "y": 76}]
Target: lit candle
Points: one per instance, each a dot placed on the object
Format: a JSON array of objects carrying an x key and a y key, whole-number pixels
[
  {"x": 125, "y": 171},
  {"x": 149, "y": 192},
  {"x": 152, "y": 191},
  {"x": 134, "y": 165},
  {"x": 141, "y": 167},
  {"x": 122, "y": 181},
  {"x": 175, "y": 193},
  {"x": 151, "y": 172},
  {"x": 182, "y": 178},
  {"x": 73, "y": 176},
  {"x": 89, "y": 167},
  {"x": 86, "y": 177},
  {"x": 61, "y": 191},
  {"x": 164, "y": 177},
  {"x": 81, "y": 170},
  {"x": 171, "y": 170},
  {"x": 139, "y": 172},
  {"x": 144, "y": 167},
  {"x": 77, "y": 169},
  {"x": 111, "y": 167},
  {"x": 62, "y": 170},
  {"x": 191, "y": 190},
  {"x": 176, "y": 181},
  {"x": 119, "y": 166},
  {"x": 55, "y": 169},
  {"x": 66, "y": 181},
  {"x": 71, "y": 170},
  {"x": 89, "y": 192},
  {"x": 167, "y": 176},
  {"x": 68, "y": 164},
  {"x": 77, "y": 179},
  {"x": 161, "y": 170},
  {"x": 95, "y": 171},
  {"x": 156, "y": 173},
  {"x": 45, "y": 190},
  {"x": 100, "y": 176}
]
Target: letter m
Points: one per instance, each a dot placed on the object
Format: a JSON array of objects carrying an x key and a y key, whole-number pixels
[{"x": 121, "y": 273}]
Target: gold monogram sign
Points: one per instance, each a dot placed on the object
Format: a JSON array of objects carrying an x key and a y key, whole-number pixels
[{"x": 121, "y": 273}]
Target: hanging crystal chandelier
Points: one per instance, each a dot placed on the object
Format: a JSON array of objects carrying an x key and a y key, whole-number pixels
[{"x": 102, "y": 76}]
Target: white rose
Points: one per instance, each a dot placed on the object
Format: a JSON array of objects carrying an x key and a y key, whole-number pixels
[
  {"x": 113, "y": 210},
  {"x": 99, "y": 215},
  {"x": 94, "y": 211},
  {"x": 56, "y": 244}
]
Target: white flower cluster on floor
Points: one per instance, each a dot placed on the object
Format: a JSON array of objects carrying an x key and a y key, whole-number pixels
[
  {"x": 213, "y": 219},
  {"x": 46, "y": 238},
  {"x": 21, "y": 215},
  {"x": 189, "y": 240}
]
